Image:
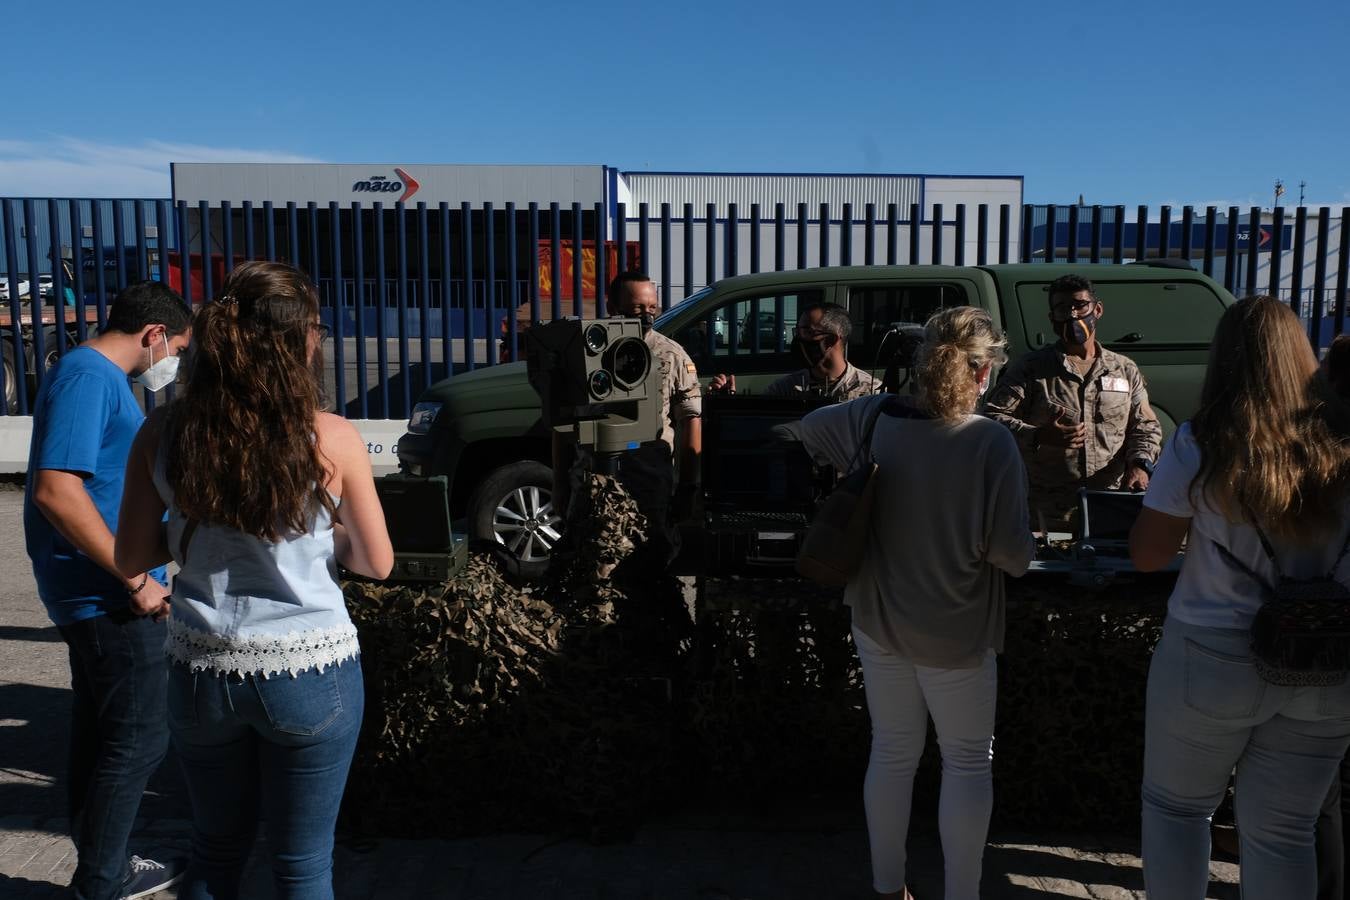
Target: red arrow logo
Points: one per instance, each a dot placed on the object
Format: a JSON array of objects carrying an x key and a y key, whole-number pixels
[
  {"x": 1265, "y": 235},
  {"x": 410, "y": 183}
]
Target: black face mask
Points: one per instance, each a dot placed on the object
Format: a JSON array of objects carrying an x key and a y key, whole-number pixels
[
  {"x": 647, "y": 320},
  {"x": 811, "y": 351},
  {"x": 1078, "y": 331}
]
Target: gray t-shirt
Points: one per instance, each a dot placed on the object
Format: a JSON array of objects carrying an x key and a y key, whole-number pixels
[{"x": 949, "y": 517}]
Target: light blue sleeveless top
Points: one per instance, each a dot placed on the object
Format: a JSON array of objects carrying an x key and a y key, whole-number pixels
[{"x": 244, "y": 605}]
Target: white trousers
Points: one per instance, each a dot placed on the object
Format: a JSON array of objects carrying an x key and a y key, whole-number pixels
[{"x": 900, "y": 697}]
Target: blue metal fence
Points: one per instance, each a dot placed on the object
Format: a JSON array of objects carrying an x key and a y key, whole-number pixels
[{"x": 414, "y": 294}]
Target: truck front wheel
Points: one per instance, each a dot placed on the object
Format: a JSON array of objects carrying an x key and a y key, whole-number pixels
[
  {"x": 13, "y": 382},
  {"x": 513, "y": 507}
]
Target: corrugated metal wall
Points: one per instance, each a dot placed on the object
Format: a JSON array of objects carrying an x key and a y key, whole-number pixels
[
  {"x": 699, "y": 190},
  {"x": 42, "y": 228}
]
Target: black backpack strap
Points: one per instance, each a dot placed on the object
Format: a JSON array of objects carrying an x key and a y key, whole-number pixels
[
  {"x": 1345, "y": 548},
  {"x": 1266, "y": 546},
  {"x": 1246, "y": 569}
]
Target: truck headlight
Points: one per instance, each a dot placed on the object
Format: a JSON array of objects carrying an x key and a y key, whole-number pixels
[{"x": 423, "y": 415}]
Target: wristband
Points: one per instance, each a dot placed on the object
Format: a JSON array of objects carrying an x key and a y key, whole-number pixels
[{"x": 138, "y": 588}]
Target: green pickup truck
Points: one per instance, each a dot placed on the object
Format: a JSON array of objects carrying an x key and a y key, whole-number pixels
[{"x": 482, "y": 428}]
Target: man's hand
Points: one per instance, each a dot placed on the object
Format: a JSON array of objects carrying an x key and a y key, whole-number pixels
[
  {"x": 1136, "y": 479},
  {"x": 722, "y": 383},
  {"x": 151, "y": 600},
  {"x": 1062, "y": 432}
]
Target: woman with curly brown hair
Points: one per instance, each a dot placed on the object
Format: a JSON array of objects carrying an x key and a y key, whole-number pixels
[
  {"x": 949, "y": 519},
  {"x": 1257, "y": 486},
  {"x": 266, "y": 494}
]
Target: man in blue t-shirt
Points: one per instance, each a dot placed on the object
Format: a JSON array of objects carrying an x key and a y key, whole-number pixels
[{"x": 84, "y": 419}]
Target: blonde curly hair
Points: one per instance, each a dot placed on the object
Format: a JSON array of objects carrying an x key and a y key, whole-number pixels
[{"x": 957, "y": 343}]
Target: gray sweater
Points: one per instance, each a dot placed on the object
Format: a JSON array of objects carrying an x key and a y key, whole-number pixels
[{"x": 949, "y": 517}]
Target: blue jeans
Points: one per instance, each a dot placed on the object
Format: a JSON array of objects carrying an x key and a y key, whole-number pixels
[
  {"x": 118, "y": 736},
  {"x": 1208, "y": 712},
  {"x": 276, "y": 747}
]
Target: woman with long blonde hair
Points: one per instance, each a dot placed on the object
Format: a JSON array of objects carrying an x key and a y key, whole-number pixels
[
  {"x": 1256, "y": 486},
  {"x": 949, "y": 519},
  {"x": 266, "y": 494}
]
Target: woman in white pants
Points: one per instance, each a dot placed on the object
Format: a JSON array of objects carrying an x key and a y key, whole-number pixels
[{"x": 949, "y": 519}]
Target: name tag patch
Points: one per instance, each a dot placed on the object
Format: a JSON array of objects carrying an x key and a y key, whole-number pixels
[{"x": 1115, "y": 383}]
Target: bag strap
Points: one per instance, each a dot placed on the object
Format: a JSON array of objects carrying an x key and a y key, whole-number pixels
[
  {"x": 865, "y": 448},
  {"x": 1246, "y": 569},
  {"x": 1270, "y": 551}
]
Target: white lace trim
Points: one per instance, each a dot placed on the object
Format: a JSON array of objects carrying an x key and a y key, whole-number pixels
[{"x": 293, "y": 652}]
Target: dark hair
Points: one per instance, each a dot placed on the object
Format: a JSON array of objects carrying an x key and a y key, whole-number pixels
[
  {"x": 1070, "y": 284},
  {"x": 1338, "y": 366},
  {"x": 149, "y": 303},
  {"x": 833, "y": 317},
  {"x": 242, "y": 449},
  {"x": 618, "y": 287}
]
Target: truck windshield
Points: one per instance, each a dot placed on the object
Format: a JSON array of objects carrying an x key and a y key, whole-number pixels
[{"x": 669, "y": 315}]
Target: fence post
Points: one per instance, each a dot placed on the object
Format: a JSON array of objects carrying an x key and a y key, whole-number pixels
[
  {"x": 960, "y": 234},
  {"x": 1164, "y": 231},
  {"x": 870, "y": 235},
  {"x": 339, "y": 335},
  {"x": 359, "y": 312},
  {"x": 1211, "y": 213},
  {"x": 447, "y": 292},
  {"x": 15, "y": 350},
  {"x": 665, "y": 255},
  {"x": 1276, "y": 250},
  {"x": 1118, "y": 245},
  {"x": 982, "y": 234},
  {"x": 801, "y": 236},
  {"x": 915, "y": 232},
  {"x": 1051, "y": 232},
  {"x": 754, "y": 237},
  {"x": 513, "y": 283},
  {"x": 1320, "y": 275},
  {"x": 1187, "y": 220},
  {"x": 1343, "y": 270},
  {"x": 731, "y": 262},
  {"x": 1230, "y": 263},
  {"x": 466, "y": 229},
  {"x": 424, "y": 295},
  {"x": 601, "y": 259},
  {"x": 1095, "y": 251},
  {"x": 644, "y": 244},
  {"x": 1073, "y": 233},
  {"x": 1296, "y": 274},
  {"x": 382, "y": 305},
  {"x": 227, "y": 237},
  {"x": 1028, "y": 224},
  {"x": 846, "y": 236},
  {"x": 824, "y": 234},
  {"x": 892, "y": 234},
  {"x": 688, "y": 249},
  {"x": 401, "y": 245},
  {"x": 269, "y": 232},
  {"x": 1004, "y": 232}
]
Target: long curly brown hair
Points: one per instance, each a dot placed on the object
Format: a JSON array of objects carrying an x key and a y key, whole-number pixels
[
  {"x": 1272, "y": 448},
  {"x": 242, "y": 450}
]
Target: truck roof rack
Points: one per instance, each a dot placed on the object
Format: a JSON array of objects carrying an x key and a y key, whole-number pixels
[{"x": 1164, "y": 262}]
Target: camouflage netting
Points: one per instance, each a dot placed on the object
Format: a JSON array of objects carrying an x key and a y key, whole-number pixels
[{"x": 594, "y": 701}]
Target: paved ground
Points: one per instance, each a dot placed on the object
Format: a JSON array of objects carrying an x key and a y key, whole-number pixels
[{"x": 692, "y": 858}]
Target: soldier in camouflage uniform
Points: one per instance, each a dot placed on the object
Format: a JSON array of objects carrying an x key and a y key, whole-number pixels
[
  {"x": 822, "y": 341},
  {"x": 649, "y": 472},
  {"x": 1080, "y": 413}
]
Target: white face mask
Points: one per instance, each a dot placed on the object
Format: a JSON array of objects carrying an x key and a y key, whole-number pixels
[{"x": 161, "y": 374}]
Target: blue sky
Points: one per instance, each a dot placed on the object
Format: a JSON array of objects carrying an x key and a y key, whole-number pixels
[{"x": 1188, "y": 101}]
